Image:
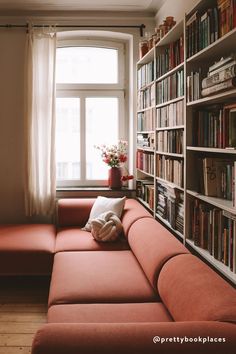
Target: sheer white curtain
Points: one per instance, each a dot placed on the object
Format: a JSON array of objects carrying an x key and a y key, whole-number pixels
[{"x": 40, "y": 181}]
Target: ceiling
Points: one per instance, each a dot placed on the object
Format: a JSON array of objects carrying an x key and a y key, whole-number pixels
[{"x": 81, "y": 5}]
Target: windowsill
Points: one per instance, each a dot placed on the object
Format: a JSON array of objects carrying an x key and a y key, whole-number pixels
[{"x": 64, "y": 192}]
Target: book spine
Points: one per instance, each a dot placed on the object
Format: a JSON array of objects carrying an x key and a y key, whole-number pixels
[
  {"x": 231, "y": 83},
  {"x": 219, "y": 77}
]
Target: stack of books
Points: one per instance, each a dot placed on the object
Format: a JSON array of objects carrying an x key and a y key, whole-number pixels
[
  {"x": 146, "y": 120},
  {"x": 213, "y": 229},
  {"x": 145, "y": 161},
  {"x": 170, "y": 141},
  {"x": 146, "y": 98},
  {"x": 170, "y": 87},
  {"x": 205, "y": 27},
  {"x": 216, "y": 127},
  {"x": 145, "y": 75},
  {"x": 145, "y": 191},
  {"x": 221, "y": 76},
  {"x": 170, "y": 206},
  {"x": 145, "y": 140},
  {"x": 171, "y": 57},
  {"x": 218, "y": 177},
  {"x": 170, "y": 169},
  {"x": 171, "y": 115}
]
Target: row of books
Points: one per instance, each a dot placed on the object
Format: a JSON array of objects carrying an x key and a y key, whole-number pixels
[
  {"x": 204, "y": 28},
  {"x": 145, "y": 74},
  {"x": 170, "y": 206},
  {"x": 146, "y": 140},
  {"x": 216, "y": 127},
  {"x": 170, "y": 141},
  {"x": 170, "y": 87},
  {"x": 171, "y": 115},
  {"x": 172, "y": 56},
  {"x": 194, "y": 85},
  {"x": 217, "y": 177},
  {"x": 145, "y": 191},
  {"x": 145, "y": 161},
  {"x": 146, "y": 120},
  {"x": 170, "y": 169},
  {"x": 146, "y": 98},
  {"x": 221, "y": 76},
  {"x": 213, "y": 230},
  {"x": 227, "y": 15}
]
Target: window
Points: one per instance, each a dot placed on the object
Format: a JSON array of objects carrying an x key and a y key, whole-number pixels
[{"x": 89, "y": 109}]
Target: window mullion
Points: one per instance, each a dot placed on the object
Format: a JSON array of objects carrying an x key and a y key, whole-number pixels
[{"x": 83, "y": 138}]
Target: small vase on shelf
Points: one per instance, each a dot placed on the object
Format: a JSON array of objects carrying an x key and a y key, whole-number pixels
[{"x": 114, "y": 178}]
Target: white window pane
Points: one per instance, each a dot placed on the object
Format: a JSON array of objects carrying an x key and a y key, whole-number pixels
[
  {"x": 101, "y": 128},
  {"x": 89, "y": 65},
  {"x": 68, "y": 138}
]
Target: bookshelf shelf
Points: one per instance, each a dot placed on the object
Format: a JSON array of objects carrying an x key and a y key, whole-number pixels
[
  {"x": 145, "y": 173},
  {"x": 145, "y": 204},
  {"x": 215, "y": 48},
  {"x": 145, "y": 132},
  {"x": 172, "y": 35},
  {"x": 175, "y": 127},
  {"x": 169, "y": 102},
  {"x": 169, "y": 154},
  {"x": 145, "y": 109},
  {"x": 169, "y": 225},
  {"x": 218, "y": 98},
  {"x": 178, "y": 67},
  {"x": 147, "y": 57},
  {"x": 212, "y": 150},
  {"x": 218, "y": 202},
  {"x": 171, "y": 184},
  {"x": 146, "y": 86},
  {"x": 217, "y": 264},
  {"x": 145, "y": 149}
]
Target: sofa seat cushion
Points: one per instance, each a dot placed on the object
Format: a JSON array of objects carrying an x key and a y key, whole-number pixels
[
  {"x": 109, "y": 313},
  {"x": 132, "y": 212},
  {"x": 194, "y": 292},
  {"x": 75, "y": 239},
  {"x": 98, "y": 277},
  {"x": 153, "y": 245},
  {"x": 27, "y": 249}
]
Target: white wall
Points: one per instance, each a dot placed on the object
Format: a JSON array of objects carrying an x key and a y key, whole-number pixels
[
  {"x": 12, "y": 61},
  {"x": 176, "y": 8}
]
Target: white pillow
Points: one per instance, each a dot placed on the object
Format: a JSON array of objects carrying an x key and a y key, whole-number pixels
[{"x": 102, "y": 205}]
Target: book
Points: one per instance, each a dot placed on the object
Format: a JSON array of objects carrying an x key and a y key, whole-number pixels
[
  {"x": 221, "y": 63},
  {"x": 219, "y": 76},
  {"x": 217, "y": 177},
  {"x": 228, "y": 84}
]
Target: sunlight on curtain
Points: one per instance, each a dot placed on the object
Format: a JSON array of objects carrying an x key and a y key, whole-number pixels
[{"x": 40, "y": 182}]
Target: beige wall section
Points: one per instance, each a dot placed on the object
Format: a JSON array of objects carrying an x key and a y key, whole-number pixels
[
  {"x": 12, "y": 52},
  {"x": 176, "y": 8},
  {"x": 12, "y": 48}
]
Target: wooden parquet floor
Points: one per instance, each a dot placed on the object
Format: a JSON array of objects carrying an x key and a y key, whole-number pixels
[{"x": 23, "y": 310}]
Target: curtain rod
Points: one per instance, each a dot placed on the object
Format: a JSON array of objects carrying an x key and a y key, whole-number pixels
[{"x": 140, "y": 27}]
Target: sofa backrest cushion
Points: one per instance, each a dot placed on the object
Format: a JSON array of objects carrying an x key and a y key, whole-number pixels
[
  {"x": 153, "y": 245},
  {"x": 132, "y": 212},
  {"x": 74, "y": 211},
  {"x": 192, "y": 291}
]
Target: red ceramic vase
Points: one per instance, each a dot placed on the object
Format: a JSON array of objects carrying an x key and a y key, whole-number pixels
[{"x": 114, "y": 178}]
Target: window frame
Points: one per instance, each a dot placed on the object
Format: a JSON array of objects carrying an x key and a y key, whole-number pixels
[{"x": 83, "y": 91}]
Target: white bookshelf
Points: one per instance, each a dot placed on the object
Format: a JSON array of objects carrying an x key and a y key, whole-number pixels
[
  {"x": 172, "y": 36},
  {"x": 206, "y": 57}
]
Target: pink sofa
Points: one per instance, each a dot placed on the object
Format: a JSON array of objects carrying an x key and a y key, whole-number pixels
[
  {"x": 142, "y": 295},
  {"x": 27, "y": 249}
]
